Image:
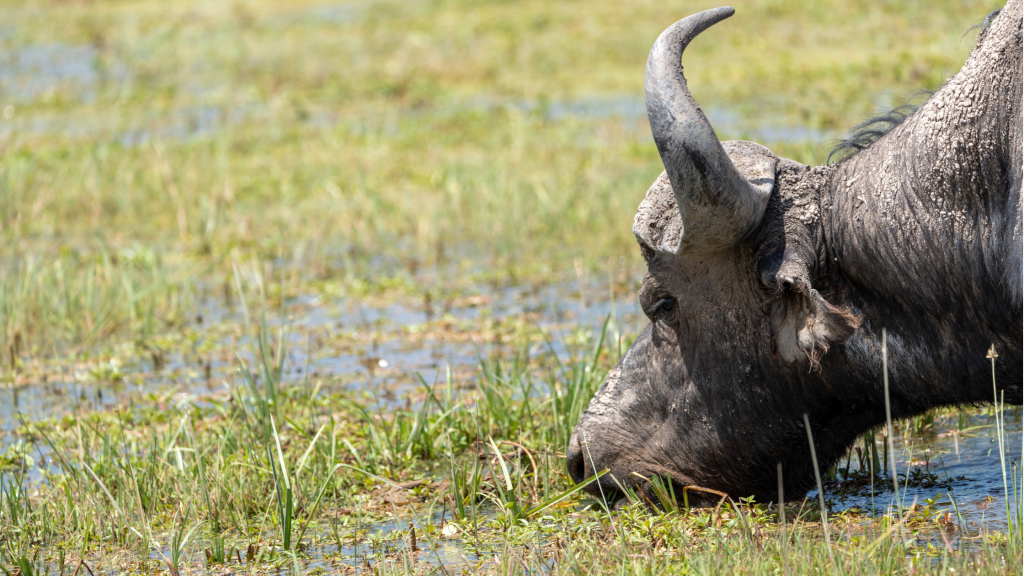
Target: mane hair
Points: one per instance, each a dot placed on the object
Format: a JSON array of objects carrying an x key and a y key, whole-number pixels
[
  {"x": 871, "y": 130},
  {"x": 983, "y": 23}
]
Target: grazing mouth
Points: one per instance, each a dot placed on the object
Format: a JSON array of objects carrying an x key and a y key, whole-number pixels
[
  {"x": 605, "y": 491},
  {"x": 613, "y": 493},
  {"x": 657, "y": 493}
]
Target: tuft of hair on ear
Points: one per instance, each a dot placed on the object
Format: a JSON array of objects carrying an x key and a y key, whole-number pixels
[
  {"x": 843, "y": 317},
  {"x": 805, "y": 325}
]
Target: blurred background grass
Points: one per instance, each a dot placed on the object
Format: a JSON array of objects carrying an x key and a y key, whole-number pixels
[{"x": 376, "y": 148}]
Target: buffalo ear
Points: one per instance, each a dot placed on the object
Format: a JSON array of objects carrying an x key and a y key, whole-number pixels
[{"x": 804, "y": 324}]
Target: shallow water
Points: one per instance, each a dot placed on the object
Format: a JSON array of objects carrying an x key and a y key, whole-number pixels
[
  {"x": 381, "y": 357},
  {"x": 728, "y": 123},
  {"x": 957, "y": 470},
  {"x": 29, "y": 72},
  {"x": 199, "y": 121},
  {"x": 383, "y": 354}
]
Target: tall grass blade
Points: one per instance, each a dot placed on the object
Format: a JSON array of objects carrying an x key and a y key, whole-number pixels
[
  {"x": 889, "y": 428},
  {"x": 821, "y": 489}
]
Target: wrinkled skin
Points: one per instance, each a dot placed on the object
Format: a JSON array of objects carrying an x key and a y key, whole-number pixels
[{"x": 919, "y": 234}]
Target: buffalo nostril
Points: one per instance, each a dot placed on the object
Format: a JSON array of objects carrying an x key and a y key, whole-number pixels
[
  {"x": 574, "y": 461},
  {"x": 577, "y": 468}
]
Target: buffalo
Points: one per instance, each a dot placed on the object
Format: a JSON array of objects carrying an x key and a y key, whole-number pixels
[{"x": 770, "y": 284}]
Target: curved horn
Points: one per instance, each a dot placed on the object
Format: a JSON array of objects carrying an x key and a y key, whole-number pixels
[{"x": 718, "y": 206}]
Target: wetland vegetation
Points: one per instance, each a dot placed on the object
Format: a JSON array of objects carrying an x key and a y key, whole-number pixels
[{"x": 323, "y": 287}]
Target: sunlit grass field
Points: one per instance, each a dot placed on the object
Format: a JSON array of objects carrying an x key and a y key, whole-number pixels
[
  {"x": 284, "y": 472},
  {"x": 359, "y": 144},
  {"x": 157, "y": 156}
]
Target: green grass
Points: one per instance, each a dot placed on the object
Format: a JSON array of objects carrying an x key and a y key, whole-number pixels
[
  {"x": 301, "y": 473},
  {"x": 252, "y": 152}
]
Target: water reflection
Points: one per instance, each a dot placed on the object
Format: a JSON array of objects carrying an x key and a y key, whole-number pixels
[
  {"x": 955, "y": 466},
  {"x": 33, "y": 71}
]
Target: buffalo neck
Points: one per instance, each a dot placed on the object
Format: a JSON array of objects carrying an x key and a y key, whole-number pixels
[{"x": 924, "y": 229}]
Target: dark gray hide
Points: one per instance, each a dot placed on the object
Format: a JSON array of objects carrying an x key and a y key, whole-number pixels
[{"x": 769, "y": 283}]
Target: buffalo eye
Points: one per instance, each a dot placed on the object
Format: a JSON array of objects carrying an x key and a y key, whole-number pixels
[{"x": 664, "y": 308}]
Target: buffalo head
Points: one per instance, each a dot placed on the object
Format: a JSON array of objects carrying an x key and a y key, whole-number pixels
[{"x": 769, "y": 284}]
